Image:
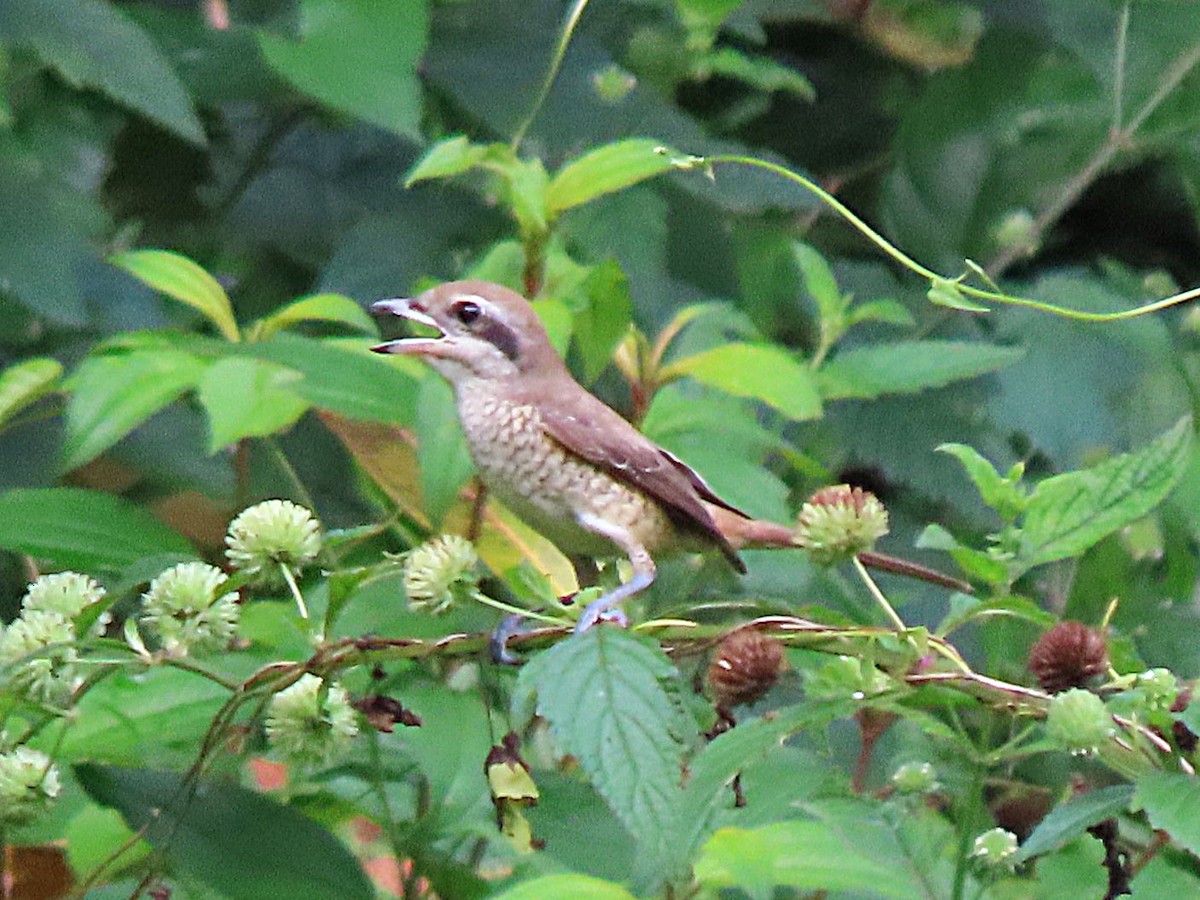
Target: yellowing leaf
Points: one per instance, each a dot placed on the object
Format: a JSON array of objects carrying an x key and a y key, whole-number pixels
[{"x": 180, "y": 278}]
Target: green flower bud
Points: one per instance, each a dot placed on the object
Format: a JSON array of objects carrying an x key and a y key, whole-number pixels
[
  {"x": 915, "y": 778},
  {"x": 434, "y": 569},
  {"x": 839, "y": 522},
  {"x": 270, "y": 534},
  {"x": 995, "y": 847},
  {"x": 50, "y": 675},
  {"x": 612, "y": 84},
  {"x": 28, "y": 784},
  {"x": 311, "y": 725},
  {"x": 1078, "y": 721},
  {"x": 65, "y": 593},
  {"x": 1159, "y": 687},
  {"x": 185, "y": 608}
]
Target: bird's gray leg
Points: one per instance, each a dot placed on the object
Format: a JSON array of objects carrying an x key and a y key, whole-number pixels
[{"x": 644, "y": 570}]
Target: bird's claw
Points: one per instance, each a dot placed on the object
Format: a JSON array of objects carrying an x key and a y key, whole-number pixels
[
  {"x": 599, "y": 612},
  {"x": 509, "y": 628}
]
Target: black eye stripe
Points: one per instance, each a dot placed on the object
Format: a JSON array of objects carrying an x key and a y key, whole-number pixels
[{"x": 502, "y": 338}]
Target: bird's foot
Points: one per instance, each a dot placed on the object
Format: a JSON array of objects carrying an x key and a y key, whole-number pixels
[
  {"x": 601, "y": 611},
  {"x": 509, "y": 628}
]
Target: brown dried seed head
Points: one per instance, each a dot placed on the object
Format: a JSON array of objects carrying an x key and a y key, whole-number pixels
[
  {"x": 746, "y": 666},
  {"x": 1067, "y": 656}
]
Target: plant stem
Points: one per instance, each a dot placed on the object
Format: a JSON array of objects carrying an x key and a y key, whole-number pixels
[
  {"x": 295, "y": 589},
  {"x": 560, "y": 52},
  {"x": 875, "y": 592}
]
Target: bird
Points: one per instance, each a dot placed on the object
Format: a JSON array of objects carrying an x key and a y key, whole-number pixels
[{"x": 569, "y": 466}]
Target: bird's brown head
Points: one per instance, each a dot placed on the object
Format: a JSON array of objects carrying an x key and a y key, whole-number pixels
[{"x": 483, "y": 330}]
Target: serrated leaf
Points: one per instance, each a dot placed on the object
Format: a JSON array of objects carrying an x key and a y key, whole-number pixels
[
  {"x": 556, "y": 887},
  {"x": 93, "y": 44},
  {"x": 247, "y": 397},
  {"x": 114, "y": 393},
  {"x": 1170, "y": 802},
  {"x": 317, "y": 308},
  {"x": 759, "y": 371},
  {"x": 84, "y": 530},
  {"x": 357, "y": 56},
  {"x": 994, "y": 489},
  {"x": 604, "y": 170},
  {"x": 180, "y": 278},
  {"x": 1069, "y": 513},
  {"x": 23, "y": 384},
  {"x": 1069, "y": 820},
  {"x": 798, "y": 854},
  {"x": 909, "y": 367},
  {"x": 445, "y": 159},
  {"x": 606, "y": 694},
  {"x": 268, "y": 851}
]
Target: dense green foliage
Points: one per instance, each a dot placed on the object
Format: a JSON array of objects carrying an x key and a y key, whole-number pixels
[{"x": 200, "y": 199}]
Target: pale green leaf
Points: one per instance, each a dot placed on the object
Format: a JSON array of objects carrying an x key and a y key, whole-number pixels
[
  {"x": 890, "y": 312},
  {"x": 358, "y": 56},
  {"x": 909, "y": 367},
  {"x": 441, "y": 449},
  {"x": 758, "y": 71},
  {"x": 759, "y": 371},
  {"x": 84, "y": 530},
  {"x": 247, "y": 397},
  {"x": 92, "y": 44},
  {"x": 317, "y": 308},
  {"x": 604, "y": 170},
  {"x": 1069, "y": 820},
  {"x": 556, "y": 887},
  {"x": 114, "y": 393},
  {"x": 609, "y": 697},
  {"x": 798, "y": 854},
  {"x": 994, "y": 489},
  {"x": 1069, "y": 513},
  {"x": 445, "y": 159},
  {"x": 180, "y": 278},
  {"x": 821, "y": 285},
  {"x": 947, "y": 293},
  {"x": 975, "y": 563},
  {"x": 25, "y": 383},
  {"x": 1170, "y": 800}
]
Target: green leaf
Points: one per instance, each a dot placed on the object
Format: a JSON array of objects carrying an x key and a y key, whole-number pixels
[
  {"x": 604, "y": 170},
  {"x": 445, "y": 159},
  {"x": 713, "y": 769},
  {"x": 600, "y": 326},
  {"x": 114, "y": 393},
  {"x": 83, "y": 530},
  {"x": 1069, "y": 820},
  {"x": 821, "y": 286},
  {"x": 441, "y": 450},
  {"x": 799, "y": 854},
  {"x": 759, "y": 371},
  {"x": 180, "y": 278},
  {"x": 758, "y": 71},
  {"x": 157, "y": 717},
  {"x": 358, "y": 56},
  {"x": 890, "y": 312},
  {"x": 23, "y": 384},
  {"x": 1170, "y": 802},
  {"x": 947, "y": 293},
  {"x": 555, "y": 887},
  {"x": 317, "y": 308},
  {"x": 93, "y": 44},
  {"x": 909, "y": 367},
  {"x": 994, "y": 489},
  {"x": 343, "y": 376},
  {"x": 266, "y": 851},
  {"x": 1069, "y": 513},
  {"x": 975, "y": 563},
  {"x": 247, "y": 397},
  {"x": 608, "y": 696}
]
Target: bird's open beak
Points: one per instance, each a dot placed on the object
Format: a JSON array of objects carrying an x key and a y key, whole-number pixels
[{"x": 404, "y": 307}]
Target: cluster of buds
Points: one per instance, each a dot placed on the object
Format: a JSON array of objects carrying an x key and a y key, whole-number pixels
[
  {"x": 1079, "y": 722},
  {"x": 311, "y": 722},
  {"x": 1069, "y": 655},
  {"x": 995, "y": 848},
  {"x": 746, "y": 665},
  {"x": 269, "y": 537},
  {"x": 915, "y": 778},
  {"x": 187, "y": 610},
  {"x": 28, "y": 785},
  {"x": 839, "y": 522},
  {"x": 438, "y": 572},
  {"x": 37, "y": 648}
]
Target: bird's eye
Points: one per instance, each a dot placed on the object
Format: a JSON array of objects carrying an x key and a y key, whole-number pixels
[{"x": 467, "y": 312}]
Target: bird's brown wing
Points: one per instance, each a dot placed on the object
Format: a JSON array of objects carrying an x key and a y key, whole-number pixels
[{"x": 596, "y": 433}]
